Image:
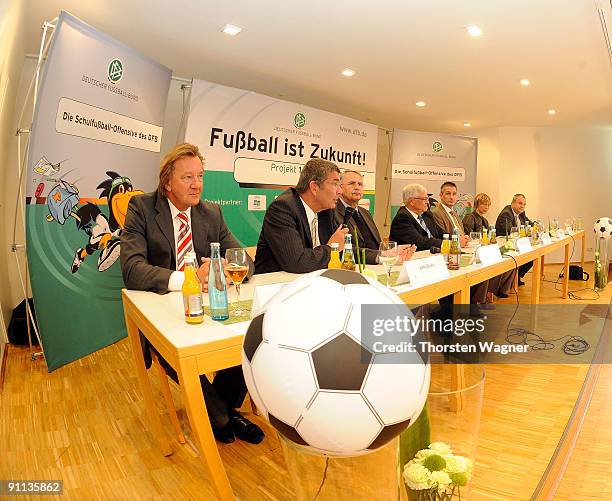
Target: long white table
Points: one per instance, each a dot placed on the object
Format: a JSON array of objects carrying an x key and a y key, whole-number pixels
[{"x": 208, "y": 347}]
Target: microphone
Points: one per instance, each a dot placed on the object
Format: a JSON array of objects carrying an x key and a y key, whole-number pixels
[{"x": 348, "y": 214}]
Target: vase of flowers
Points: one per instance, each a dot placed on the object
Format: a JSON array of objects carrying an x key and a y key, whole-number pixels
[
  {"x": 436, "y": 474},
  {"x": 600, "y": 262},
  {"x": 438, "y": 452}
]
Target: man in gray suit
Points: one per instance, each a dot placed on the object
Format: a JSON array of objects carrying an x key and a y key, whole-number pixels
[
  {"x": 299, "y": 225},
  {"x": 154, "y": 228}
]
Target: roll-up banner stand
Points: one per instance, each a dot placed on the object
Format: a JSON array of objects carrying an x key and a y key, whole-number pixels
[
  {"x": 254, "y": 147},
  {"x": 430, "y": 158},
  {"x": 95, "y": 142}
]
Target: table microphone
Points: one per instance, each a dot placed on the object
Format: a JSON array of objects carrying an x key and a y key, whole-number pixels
[{"x": 348, "y": 214}]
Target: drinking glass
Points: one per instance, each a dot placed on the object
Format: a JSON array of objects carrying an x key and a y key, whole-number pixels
[
  {"x": 237, "y": 269},
  {"x": 514, "y": 233},
  {"x": 475, "y": 237},
  {"x": 387, "y": 256}
]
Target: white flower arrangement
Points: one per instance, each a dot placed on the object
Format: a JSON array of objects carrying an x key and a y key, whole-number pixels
[{"x": 436, "y": 474}]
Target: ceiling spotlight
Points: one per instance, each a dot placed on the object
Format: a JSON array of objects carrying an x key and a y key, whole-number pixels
[
  {"x": 347, "y": 72},
  {"x": 474, "y": 30},
  {"x": 232, "y": 30},
  {"x": 552, "y": 111},
  {"x": 467, "y": 124},
  {"x": 420, "y": 104},
  {"x": 524, "y": 82}
]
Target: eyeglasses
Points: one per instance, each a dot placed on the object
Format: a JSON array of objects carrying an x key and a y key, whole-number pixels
[{"x": 419, "y": 198}]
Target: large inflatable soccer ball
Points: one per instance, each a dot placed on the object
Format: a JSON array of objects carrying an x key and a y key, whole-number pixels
[
  {"x": 311, "y": 376},
  {"x": 603, "y": 227}
]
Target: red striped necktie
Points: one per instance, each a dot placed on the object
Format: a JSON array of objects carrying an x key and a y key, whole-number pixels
[{"x": 184, "y": 243}]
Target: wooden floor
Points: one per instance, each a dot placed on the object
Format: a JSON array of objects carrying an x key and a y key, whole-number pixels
[{"x": 84, "y": 424}]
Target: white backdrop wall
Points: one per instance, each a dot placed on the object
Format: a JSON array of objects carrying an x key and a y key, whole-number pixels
[{"x": 563, "y": 171}]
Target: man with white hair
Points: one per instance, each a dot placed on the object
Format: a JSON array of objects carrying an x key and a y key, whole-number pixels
[{"x": 414, "y": 224}]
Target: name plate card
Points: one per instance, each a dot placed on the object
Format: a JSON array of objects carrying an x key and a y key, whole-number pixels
[
  {"x": 423, "y": 271},
  {"x": 489, "y": 254},
  {"x": 523, "y": 244},
  {"x": 545, "y": 238}
]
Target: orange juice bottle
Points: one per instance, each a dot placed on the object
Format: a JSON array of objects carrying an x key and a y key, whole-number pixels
[
  {"x": 192, "y": 292},
  {"x": 334, "y": 258},
  {"x": 485, "y": 236}
]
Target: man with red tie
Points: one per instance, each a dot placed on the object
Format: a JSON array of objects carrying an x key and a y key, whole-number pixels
[{"x": 160, "y": 228}]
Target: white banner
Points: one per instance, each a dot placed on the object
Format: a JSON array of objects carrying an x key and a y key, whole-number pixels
[
  {"x": 254, "y": 146},
  {"x": 95, "y": 143},
  {"x": 233, "y": 126},
  {"x": 430, "y": 158}
]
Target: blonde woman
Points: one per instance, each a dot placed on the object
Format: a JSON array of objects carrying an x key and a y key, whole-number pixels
[{"x": 476, "y": 221}]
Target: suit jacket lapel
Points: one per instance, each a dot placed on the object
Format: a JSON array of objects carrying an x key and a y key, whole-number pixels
[
  {"x": 367, "y": 218},
  {"x": 198, "y": 221},
  {"x": 302, "y": 216},
  {"x": 164, "y": 221}
]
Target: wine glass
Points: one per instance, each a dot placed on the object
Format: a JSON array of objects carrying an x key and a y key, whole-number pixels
[
  {"x": 387, "y": 256},
  {"x": 237, "y": 269},
  {"x": 475, "y": 237}
]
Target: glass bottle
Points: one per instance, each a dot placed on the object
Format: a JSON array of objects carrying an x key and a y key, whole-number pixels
[
  {"x": 217, "y": 287},
  {"x": 454, "y": 255},
  {"x": 445, "y": 248},
  {"x": 348, "y": 260},
  {"x": 334, "y": 258},
  {"x": 485, "y": 236},
  {"x": 492, "y": 235},
  {"x": 192, "y": 292}
]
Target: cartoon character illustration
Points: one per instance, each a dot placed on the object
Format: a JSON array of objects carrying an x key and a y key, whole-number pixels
[
  {"x": 48, "y": 169},
  {"x": 103, "y": 232}
]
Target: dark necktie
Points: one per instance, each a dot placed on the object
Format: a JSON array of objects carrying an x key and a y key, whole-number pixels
[{"x": 424, "y": 226}]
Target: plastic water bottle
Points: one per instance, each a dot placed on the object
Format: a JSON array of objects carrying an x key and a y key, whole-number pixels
[{"x": 217, "y": 287}]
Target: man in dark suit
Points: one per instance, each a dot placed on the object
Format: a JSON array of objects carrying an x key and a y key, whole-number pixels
[
  {"x": 514, "y": 215},
  {"x": 299, "y": 225},
  {"x": 360, "y": 221},
  {"x": 414, "y": 224},
  {"x": 156, "y": 225}
]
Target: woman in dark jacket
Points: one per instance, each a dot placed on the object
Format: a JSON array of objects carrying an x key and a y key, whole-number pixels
[{"x": 475, "y": 221}]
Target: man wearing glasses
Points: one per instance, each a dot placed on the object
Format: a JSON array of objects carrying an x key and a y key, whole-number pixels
[
  {"x": 299, "y": 225},
  {"x": 413, "y": 223}
]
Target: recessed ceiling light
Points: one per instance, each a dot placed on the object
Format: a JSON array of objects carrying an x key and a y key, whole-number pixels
[
  {"x": 467, "y": 124},
  {"x": 524, "y": 82},
  {"x": 420, "y": 104},
  {"x": 552, "y": 111},
  {"x": 347, "y": 72},
  {"x": 232, "y": 30},
  {"x": 474, "y": 30}
]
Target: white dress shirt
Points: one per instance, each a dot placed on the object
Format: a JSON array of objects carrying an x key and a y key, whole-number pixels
[{"x": 175, "y": 283}]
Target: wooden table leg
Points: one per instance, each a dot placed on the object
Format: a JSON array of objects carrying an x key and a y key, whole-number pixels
[
  {"x": 189, "y": 378},
  {"x": 566, "y": 264},
  {"x": 583, "y": 253},
  {"x": 536, "y": 282},
  {"x": 145, "y": 386},
  {"x": 165, "y": 387},
  {"x": 457, "y": 400},
  {"x": 542, "y": 267}
]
